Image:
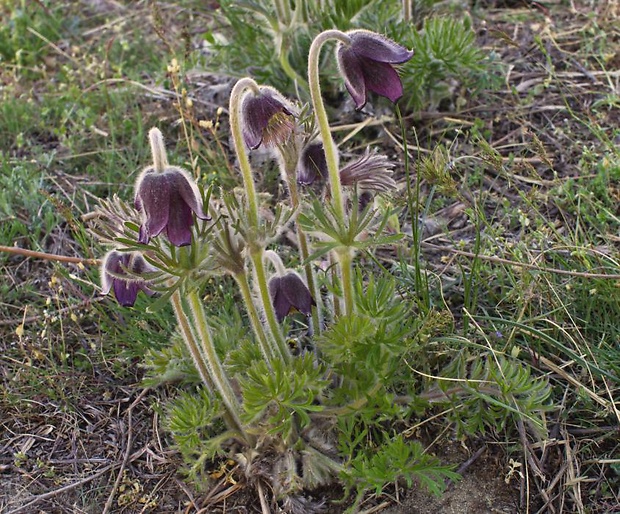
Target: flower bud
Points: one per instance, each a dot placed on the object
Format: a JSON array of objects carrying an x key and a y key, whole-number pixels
[
  {"x": 288, "y": 292},
  {"x": 121, "y": 272},
  {"x": 266, "y": 117}
]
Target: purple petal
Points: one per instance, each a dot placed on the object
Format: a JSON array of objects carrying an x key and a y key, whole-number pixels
[
  {"x": 256, "y": 111},
  {"x": 139, "y": 264},
  {"x": 297, "y": 294},
  {"x": 382, "y": 79},
  {"x": 378, "y": 48},
  {"x": 278, "y": 299},
  {"x": 136, "y": 201},
  {"x": 180, "y": 222},
  {"x": 143, "y": 236},
  {"x": 125, "y": 292},
  {"x": 117, "y": 274},
  {"x": 351, "y": 70},
  {"x": 145, "y": 289},
  {"x": 312, "y": 164},
  {"x": 153, "y": 191},
  {"x": 111, "y": 263},
  {"x": 182, "y": 184}
]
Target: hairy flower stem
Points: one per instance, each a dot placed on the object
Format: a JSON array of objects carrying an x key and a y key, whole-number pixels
[
  {"x": 256, "y": 250},
  {"x": 331, "y": 155},
  {"x": 261, "y": 281},
  {"x": 283, "y": 11},
  {"x": 212, "y": 361},
  {"x": 200, "y": 359},
  {"x": 267, "y": 349},
  {"x": 304, "y": 249},
  {"x": 406, "y": 10},
  {"x": 158, "y": 150},
  {"x": 346, "y": 265},
  {"x": 190, "y": 341},
  {"x": 242, "y": 155},
  {"x": 310, "y": 279}
]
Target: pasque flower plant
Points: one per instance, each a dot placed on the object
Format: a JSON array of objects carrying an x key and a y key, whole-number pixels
[{"x": 280, "y": 406}]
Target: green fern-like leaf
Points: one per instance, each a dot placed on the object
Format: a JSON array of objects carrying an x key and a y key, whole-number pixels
[
  {"x": 395, "y": 460},
  {"x": 191, "y": 419},
  {"x": 281, "y": 399},
  {"x": 169, "y": 364},
  {"x": 496, "y": 392},
  {"x": 445, "y": 50}
]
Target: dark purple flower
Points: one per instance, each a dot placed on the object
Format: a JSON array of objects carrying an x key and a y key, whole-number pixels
[
  {"x": 289, "y": 292},
  {"x": 121, "y": 272},
  {"x": 371, "y": 172},
  {"x": 167, "y": 200},
  {"x": 312, "y": 164},
  {"x": 266, "y": 117},
  {"x": 366, "y": 64}
]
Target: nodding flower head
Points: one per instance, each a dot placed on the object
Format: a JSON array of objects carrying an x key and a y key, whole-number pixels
[
  {"x": 121, "y": 272},
  {"x": 266, "y": 117},
  {"x": 366, "y": 64},
  {"x": 288, "y": 292},
  {"x": 167, "y": 200},
  {"x": 312, "y": 164},
  {"x": 371, "y": 172}
]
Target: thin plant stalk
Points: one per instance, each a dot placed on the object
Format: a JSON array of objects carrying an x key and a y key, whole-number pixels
[
  {"x": 213, "y": 363},
  {"x": 331, "y": 153},
  {"x": 242, "y": 155},
  {"x": 255, "y": 247},
  {"x": 413, "y": 205},
  {"x": 268, "y": 351},
  {"x": 335, "y": 282},
  {"x": 304, "y": 249},
  {"x": 346, "y": 269},
  {"x": 344, "y": 255},
  {"x": 298, "y": 80},
  {"x": 199, "y": 357},
  {"x": 407, "y": 10},
  {"x": 189, "y": 340},
  {"x": 283, "y": 11},
  {"x": 284, "y": 20},
  {"x": 158, "y": 150},
  {"x": 264, "y": 298}
]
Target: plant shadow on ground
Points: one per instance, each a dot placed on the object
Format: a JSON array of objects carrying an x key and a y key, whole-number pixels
[{"x": 534, "y": 185}]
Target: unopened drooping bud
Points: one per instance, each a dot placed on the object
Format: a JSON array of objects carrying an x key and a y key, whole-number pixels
[
  {"x": 266, "y": 117},
  {"x": 289, "y": 292},
  {"x": 121, "y": 272},
  {"x": 312, "y": 165}
]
